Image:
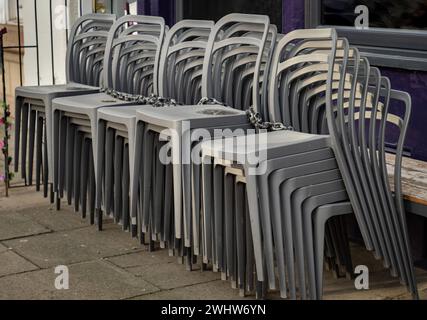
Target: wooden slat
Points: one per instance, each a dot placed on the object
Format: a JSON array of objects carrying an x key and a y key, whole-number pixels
[{"x": 414, "y": 178}]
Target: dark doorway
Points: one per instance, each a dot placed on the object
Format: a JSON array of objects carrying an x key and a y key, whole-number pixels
[{"x": 215, "y": 9}]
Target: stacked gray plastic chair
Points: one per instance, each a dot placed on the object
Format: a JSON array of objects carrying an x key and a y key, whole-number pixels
[
  {"x": 181, "y": 62},
  {"x": 274, "y": 149},
  {"x": 257, "y": 238},
  {"x": 84, "y": 66},
  {"x": 133, "y": 48},
  {"x": 235, "y": 38}
]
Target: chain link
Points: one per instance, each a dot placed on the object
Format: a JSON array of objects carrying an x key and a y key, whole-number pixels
[
  {"x": 153, "y": 99},
  {"x": 256, "y": 120},
  {"x": 158, "y": 102},
  {"x": 206, "y": 101}
]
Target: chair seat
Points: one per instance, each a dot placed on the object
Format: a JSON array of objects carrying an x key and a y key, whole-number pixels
[
  {"x": 198, "y": 116},
  {"x": 84, "y": 103},
  {"x": 40, "y": 91},
  {"x": 273, "y": 140},
  {"x": 119, "y": 114}
]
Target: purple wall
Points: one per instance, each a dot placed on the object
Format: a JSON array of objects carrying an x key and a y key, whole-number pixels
[
  {"x": 163, "y": 8},
  {"x": 414, "y": 82},
  {"x": 293, "y": 15}
]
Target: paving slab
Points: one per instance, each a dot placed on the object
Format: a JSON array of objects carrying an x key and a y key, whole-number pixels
[
  {"x": 172, "y": 275},
  {"x": 96, "y": 280},
  {"x": 11, "y": 263},
  {"x": 214, "y": 290},
  {"x": 74, "y": 246},
  {"x": 144, "y": 258},
  {"x": 62, "y": 220},
  {"x": 3, "y": 248},
  {"x": 14, "y": 225},
  {"x": 21, "y": 197}
]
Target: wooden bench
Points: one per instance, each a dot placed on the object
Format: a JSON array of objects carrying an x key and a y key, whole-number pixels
[{"x": 414, "y": 183}]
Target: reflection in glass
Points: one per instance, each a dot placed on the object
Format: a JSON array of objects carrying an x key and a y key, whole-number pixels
[
  {"x": 216, "y": 9},
  {"x": 402, "y": 14}
]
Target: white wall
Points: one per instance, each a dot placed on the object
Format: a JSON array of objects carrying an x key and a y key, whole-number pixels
[
  {"x": 61, "y": 16},
  {"x": 48, "y": 43}
]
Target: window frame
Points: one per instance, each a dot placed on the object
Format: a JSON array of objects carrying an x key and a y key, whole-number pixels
[{"x": 386, "y": 47}]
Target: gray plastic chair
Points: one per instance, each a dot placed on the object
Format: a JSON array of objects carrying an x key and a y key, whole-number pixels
[
  {"x": 131, "y": 37},
  {"x": 322, "y": 35},
  {"x": 325, "y": 212},
  {"x": 85, "y": 51},
  {"x": 181, "y": 58},
  {"x": 223, "y": 49},
  {"x": 362, "y": 112},
  {"x": 284, "y": 289}
]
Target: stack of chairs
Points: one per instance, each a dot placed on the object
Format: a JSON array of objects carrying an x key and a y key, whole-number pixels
[
  {"x": 230, "y": 145},
  {"x": 84, "y": 69}
]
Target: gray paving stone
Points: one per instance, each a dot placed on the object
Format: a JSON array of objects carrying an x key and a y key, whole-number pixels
[
  {"x": 172, "y": 275},
  {"x": 63, "y": 220},
  {"x": 143, "y": 258},
  {"x": 15, "y": 225},
  {"x": 96, "y": 280},
  {"x": 214, "y": 290},
  {"x": 11, "y": 263},
  {"x": 21, "y": 198},
  {"x": 3, "y": 248},
  {"x": 74, "y": 246}
]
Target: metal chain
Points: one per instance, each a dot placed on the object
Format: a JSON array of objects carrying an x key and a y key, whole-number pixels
[
  {"x": 158, "y": 102},
  {"x": 153, "y": 99},
  {"x": 256, "y": 120},
  {"x": 206, "y": 101}
]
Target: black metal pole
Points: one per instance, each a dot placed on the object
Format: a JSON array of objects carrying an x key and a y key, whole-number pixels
[{"x": 5, "y": 116}]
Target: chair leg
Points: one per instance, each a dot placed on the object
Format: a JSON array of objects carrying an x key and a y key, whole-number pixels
[
  {"x": 62, "y": 153},
  {"x": 31, "y": 137},
  {"x": 84, "y": 175},
  {"x": 158, "y": 196},
  {"x": 125, "y": 189},
  {"x": 92, "y": 189},
  {"x": 249, "y": 248},
  {"x": 45, "y": 166},
  {"x": 61, "y": 161},
  {"x": 98, "y": 174},
  {"x": 240, "y": 236},
  {"x": 18, "y": 112},
  {"x": 218, "y": 183},
  {"x": 69, "y": 162},
  {"x": 228, "y": 221},
  {"x": 109, "y": 151},
  {"x": 39, "y": 150},
  {"x": 147, "y": 179},
  {"x": 24, "y": 143},
  {"x": 168, "y": 207},
  {"x": 78, "y": 141},
  {"x": 117, "y": 169}
]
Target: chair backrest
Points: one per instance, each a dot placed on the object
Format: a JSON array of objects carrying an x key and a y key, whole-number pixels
[
  {"x": 231, "y": 39},
  {"x": 132, "y": 56},
  {"x": 294, "y": 53},
  {"x": 241, "y": 73},
  {"x": 86, "y": 48},
  {"x": 181, "y": 61}
]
